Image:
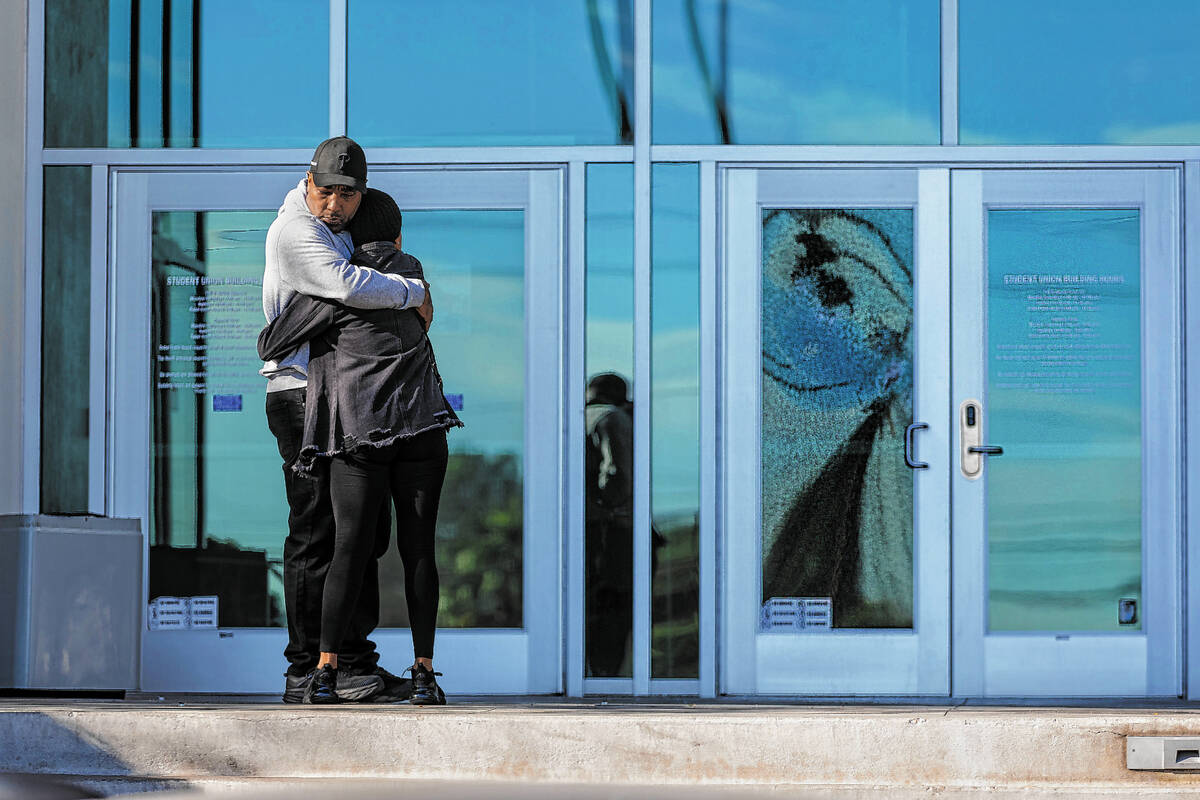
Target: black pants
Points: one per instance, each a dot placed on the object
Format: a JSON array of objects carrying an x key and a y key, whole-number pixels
[
  {"x": 308, "y": 552},
  {"x": 411, "y": 471}
]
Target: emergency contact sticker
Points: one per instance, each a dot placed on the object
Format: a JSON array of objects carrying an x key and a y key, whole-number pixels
[
  {"x": 791, "y": 614},
  {"x": 182, "y": 613}
]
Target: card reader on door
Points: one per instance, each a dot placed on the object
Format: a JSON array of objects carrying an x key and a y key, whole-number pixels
[
  {"x": 970, "y": 430},
  {"x": 970, "y": 435}
]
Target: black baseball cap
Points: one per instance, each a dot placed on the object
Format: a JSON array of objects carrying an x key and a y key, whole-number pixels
[{"x": 339, "y": 162}]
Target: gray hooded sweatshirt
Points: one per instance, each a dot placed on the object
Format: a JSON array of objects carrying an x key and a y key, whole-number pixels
[{"x": 304, "y": 257}]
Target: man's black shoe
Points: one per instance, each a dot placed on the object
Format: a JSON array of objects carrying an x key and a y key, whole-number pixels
[
  {"x": 322, "y": 687},
  {"x": 294, "y": 686},
  {"x": 425, "y": 691},
  {"x": 395, "y": 689},
  {"x": 350, "y": 688}
]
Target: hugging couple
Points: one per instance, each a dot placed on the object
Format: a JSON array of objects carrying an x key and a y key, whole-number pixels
[{"x": 355, "y": 403}]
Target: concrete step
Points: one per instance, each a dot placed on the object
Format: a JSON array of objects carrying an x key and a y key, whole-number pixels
[
  {"x": 363, "y": 789},
  {"x": 205, "y": 742}
]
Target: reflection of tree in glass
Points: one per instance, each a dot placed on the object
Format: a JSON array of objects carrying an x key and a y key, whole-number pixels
[
  {"x": 675, "y": 637},
  {"x": 837, "y": 395},
  {"x": 479, "y": 548}
]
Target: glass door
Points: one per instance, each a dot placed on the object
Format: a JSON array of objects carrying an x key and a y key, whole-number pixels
[
  {"x": 834, "y": 432},
  {"x": 1066, "y": 390},
  {"x": 192, "y": 456}
]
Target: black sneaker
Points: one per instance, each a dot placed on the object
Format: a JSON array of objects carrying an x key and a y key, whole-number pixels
[
  {"x": 350, "y": 688},
  {"x": 425, "y": 689},
  {"x": 294, "y": 686},
  {"x": 322, "y": 687},
  {"x": 395, "y": 689}
]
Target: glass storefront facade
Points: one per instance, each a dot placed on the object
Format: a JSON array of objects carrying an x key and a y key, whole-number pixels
[
  {"x": 778, "y": 72},
  {"x": 1061, "y": 73},
  {"x": 642, "y": 108}
]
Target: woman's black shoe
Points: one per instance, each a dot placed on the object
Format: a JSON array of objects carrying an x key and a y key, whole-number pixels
[
  {"x": 425, "y": 689},
  {"x": 322, "y": 689}
]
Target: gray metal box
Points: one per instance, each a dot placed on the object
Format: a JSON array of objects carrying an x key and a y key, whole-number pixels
[
  {"x": 70, "y": 602},
  {"x": 1162, "y": 752}
]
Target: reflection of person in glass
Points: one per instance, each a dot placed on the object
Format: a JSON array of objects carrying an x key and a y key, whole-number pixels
[
  {"x": 377, "y": 416},
  {"x": 308, "y": 253},
  {"x": 609, "y": 524}
]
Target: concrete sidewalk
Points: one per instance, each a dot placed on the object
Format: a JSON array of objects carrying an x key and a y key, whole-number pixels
[{"x": 162, "y": 741}]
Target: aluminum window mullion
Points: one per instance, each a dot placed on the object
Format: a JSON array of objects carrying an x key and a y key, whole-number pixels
[
  {"x": 31, "y": 458},
  {"x": 576, "y": 331},
  {"x": 291, "y": 157},
  {"x": 708, "y": 430},
  {"x": 820, "y": 155},
  {"x": 642, "y": 606},
  {"x": 910, "y": 156},
  {"x": 98, "y": 355},
  {"x": 949, "y": 59},
  {"x": 337, "y": 66},
  {"x": 1191, "y": 433}
]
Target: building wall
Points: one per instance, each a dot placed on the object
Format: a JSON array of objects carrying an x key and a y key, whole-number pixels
[{"x": 165, "y": 93}]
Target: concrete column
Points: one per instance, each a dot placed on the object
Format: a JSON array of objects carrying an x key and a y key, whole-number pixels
[{"x": 14, "y": 347}]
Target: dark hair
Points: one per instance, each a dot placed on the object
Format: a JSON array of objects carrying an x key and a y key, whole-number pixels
[
  {"x": 378, "y": 219},
  {"x": 607, "y": 387}
]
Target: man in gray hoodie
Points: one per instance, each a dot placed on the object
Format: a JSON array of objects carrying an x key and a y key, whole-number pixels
[{"x": 308, "y": 252}]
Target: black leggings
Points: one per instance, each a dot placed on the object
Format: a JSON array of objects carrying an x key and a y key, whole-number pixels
[{"x": 412, "y": 471}]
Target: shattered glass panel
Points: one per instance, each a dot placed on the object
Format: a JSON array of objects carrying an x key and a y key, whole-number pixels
[{"x": 837, "y": 394}]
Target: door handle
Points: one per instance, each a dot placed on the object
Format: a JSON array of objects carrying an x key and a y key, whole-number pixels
[
  {"x": 986, "y": 450},
  {"x": 908, "y": 445}
]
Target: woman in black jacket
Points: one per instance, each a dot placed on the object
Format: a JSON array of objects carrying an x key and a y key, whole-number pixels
[{"x": 375, "y": 409}]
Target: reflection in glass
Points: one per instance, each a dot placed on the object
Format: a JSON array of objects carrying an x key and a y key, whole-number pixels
[
  {"x": 608, "y": 449},
  {"x": 475, "y": 264},
  {"x": 476, "y": 72},
  {"x": 1078, "y": 72},
  {"x": 76, "y": 76},
  {"x": 675, "y": 420},
  {"x": 186, "y": 74},
  {"x": 1064, "y": 502},
  {"x": 837, "y": 394},
  {"x": 218, "y": 513},
  {"x": 66, "y": 338},
  {"x": 786, "y": 72}
]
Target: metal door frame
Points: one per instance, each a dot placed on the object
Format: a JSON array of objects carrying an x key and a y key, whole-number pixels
[{"x": 527, "y": 660}]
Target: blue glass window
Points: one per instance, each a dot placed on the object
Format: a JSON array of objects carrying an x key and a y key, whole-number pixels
[
  {"x": 788, "y": 72},
  {"x": 608, "y": 414},
  {"x": 476, "y": 72},
  {"x": 66, "y": 339},
  {"x": 1064, "y": 505},
  {"x": 1078, "y": 72},
  {"x": 675, "y": 420},
  {"x": 217, "y": 73}
]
